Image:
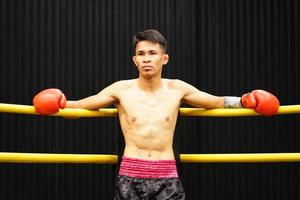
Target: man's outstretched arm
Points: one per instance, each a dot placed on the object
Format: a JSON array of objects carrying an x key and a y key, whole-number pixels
[
  {"x": 49, "y": 101},
  {"x": 261, "y": 101},
  {"x": 104, "y": 98},
  {"x": 197, "y": 98}
]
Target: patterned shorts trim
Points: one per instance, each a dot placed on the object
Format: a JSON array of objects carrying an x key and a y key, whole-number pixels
[{"x": 147, "y": 189}]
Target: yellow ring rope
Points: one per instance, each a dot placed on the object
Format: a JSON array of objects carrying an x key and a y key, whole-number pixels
[
  {"x": 240, "y": 158},
  {"x": 56, "y": 158},
  {"x": 111, "y": 112},
  {"x": 112, "y": 159}
]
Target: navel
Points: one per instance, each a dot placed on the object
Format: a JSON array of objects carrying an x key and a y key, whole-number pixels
[{"x": 167, "y": 119}]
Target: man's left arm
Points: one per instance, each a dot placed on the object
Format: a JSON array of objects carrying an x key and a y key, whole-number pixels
[{"x": 261, "y": 101}]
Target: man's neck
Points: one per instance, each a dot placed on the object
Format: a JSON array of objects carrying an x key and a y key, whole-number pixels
[{"x": 150, "y": 84}]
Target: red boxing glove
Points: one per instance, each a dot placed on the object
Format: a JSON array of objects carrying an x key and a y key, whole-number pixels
[
  {"x": 49, "y": 101},
  {"x": 261, "y": 101}
]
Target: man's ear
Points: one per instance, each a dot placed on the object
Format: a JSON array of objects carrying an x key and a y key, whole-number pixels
[
  {"x": 133, "y": 58},
  {"x": 165, "y": 58}
]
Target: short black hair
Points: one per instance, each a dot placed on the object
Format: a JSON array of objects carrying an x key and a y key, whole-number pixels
[{"x": 150, "y": 35}]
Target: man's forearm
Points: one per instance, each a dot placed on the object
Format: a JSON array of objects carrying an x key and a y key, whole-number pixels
[{"x": 73, "y": 104}]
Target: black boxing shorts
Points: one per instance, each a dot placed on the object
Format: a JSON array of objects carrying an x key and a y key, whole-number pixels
[{"x": 148, "y": 179}]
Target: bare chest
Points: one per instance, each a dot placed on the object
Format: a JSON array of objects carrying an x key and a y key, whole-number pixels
[{"x": 162, "y": 106}]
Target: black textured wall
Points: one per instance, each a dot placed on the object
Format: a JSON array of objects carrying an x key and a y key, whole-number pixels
[{"x": 222, "y": 47}]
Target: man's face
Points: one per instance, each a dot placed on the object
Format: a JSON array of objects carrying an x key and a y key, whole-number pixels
[{"x": 149, "y": 59}]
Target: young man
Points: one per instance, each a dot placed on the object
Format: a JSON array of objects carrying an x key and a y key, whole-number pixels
[{"x": 148, "y": 108}]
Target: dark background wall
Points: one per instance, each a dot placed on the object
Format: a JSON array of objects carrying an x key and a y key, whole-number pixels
[{"x": 222, "y": 47}]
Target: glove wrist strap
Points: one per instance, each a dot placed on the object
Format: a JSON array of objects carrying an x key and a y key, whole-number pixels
[{"x": 232, "y": 102}]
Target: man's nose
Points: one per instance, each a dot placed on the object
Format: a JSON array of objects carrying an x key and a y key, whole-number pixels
[{"x": 146, "y": 59}]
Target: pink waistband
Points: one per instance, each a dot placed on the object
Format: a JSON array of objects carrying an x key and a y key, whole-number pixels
[{"x": 142, "y": 168}]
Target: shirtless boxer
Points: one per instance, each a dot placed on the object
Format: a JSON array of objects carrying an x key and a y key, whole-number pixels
[{"x": 148, "y": 108}]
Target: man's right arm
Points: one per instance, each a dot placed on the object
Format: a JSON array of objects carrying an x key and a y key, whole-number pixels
[
  {"x": 104, "y": 98},
  {"x": 49, "y": 101}
]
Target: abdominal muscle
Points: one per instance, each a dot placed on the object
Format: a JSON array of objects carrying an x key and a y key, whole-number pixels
[{"x": 149, "y": 142}]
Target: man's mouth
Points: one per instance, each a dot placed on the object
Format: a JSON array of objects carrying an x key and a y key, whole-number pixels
[{"x": 147, "y": 67}]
